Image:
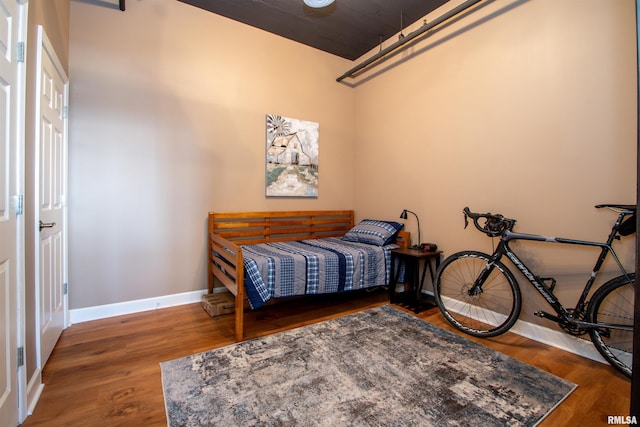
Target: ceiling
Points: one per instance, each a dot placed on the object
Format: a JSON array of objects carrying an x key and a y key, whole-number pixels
[{"x": 346, "y": 28}]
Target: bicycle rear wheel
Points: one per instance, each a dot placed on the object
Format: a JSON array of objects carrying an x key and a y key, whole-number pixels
[
  {"x": 487, "y": 313},
  {"x": 612, "y": 304}
]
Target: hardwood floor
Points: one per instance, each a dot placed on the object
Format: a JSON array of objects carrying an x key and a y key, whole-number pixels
[{"x": 107, "y": 372}]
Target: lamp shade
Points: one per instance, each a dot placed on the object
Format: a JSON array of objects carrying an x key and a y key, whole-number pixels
[{"x": 318, "y": 3}]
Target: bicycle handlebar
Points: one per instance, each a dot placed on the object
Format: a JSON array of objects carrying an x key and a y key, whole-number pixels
[{"x": 495, "y": 224}]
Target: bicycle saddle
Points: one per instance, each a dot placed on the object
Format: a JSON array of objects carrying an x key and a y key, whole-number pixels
[{"x": 625, "y": 207}]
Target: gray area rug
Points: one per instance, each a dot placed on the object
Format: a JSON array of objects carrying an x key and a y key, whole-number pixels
[{"x": 380, "y": 367}]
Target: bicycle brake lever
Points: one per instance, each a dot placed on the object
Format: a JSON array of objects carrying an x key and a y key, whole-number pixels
[{"x": 466, "y": 221}]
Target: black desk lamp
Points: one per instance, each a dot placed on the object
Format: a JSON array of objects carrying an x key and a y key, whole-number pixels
[{"x": 403, "y": 215}]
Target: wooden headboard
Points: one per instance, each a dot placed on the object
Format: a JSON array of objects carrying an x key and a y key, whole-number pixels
[{"x": 244, "y": 228}]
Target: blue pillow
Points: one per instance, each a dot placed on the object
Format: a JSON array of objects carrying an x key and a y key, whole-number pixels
[{"x": 373, "y": 232}]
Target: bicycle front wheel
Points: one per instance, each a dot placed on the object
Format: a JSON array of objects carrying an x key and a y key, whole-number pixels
[
  {"x": 612, "y": 308},
  {"x": 486, "y": 312}
]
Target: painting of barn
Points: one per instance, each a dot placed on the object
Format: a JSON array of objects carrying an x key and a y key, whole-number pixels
[{"x": 291, "y": 157}]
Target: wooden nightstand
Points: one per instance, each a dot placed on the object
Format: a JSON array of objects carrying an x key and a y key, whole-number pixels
[{"x": 411, "y": 258}]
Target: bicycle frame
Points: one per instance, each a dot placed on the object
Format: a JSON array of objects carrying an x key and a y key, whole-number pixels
[{"x": 547, "y": 293}]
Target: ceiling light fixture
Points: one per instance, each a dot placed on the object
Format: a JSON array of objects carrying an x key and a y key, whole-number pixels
[{"x": 317, "y": 4}]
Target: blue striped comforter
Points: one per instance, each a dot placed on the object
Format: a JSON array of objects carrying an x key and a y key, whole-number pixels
[{"x": 304, "y": 267}]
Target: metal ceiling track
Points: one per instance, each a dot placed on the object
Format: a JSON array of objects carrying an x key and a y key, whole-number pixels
[{"x": 426, "y": 27}]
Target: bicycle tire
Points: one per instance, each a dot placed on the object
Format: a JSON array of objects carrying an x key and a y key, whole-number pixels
[
  {"x": 492, "y": 312},
  {"x": 613, "y": 302}
]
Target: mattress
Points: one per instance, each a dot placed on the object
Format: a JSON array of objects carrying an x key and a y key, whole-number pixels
[{"x": 310, "y": 267}]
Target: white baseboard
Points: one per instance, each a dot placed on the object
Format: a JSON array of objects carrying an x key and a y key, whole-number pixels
[
  {"x": 34, "y": 390},
  {"x": 86, "y": 314},
  {"x": 558, "y": 339}
]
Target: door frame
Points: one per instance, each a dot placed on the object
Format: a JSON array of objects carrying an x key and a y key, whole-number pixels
[{"x": 22, "y": 22}]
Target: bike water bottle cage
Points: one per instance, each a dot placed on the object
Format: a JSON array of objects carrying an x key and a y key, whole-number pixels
[{"x": 494, "y": 225}]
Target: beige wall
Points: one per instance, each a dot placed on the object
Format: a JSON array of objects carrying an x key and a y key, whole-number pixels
[
  {"x": 523, "y": 108},
  {"x": 527, "y": 108},
  {"x": 167, "y": 122}
]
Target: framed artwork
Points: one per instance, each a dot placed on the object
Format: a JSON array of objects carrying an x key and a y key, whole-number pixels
[{"x": 292, "y": 157}]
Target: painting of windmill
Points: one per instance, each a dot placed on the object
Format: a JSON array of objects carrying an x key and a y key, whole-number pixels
[{"x": 292, "y": 157}]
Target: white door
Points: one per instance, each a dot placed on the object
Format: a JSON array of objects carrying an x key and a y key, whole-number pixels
[
  {"x": 10, "y": 257},
  {"x": 51, "y": 168}
]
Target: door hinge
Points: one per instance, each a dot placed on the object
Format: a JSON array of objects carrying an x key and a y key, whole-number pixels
[
  {"x": 19, "y": 204},
  {"x": 20, "y": 356},
  {"x": 65, "y": 112},
  {"x": 65, "y": 289},
  {"x": 20, "y": 52}
]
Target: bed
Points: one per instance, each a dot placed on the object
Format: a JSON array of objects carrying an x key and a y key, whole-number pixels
[{"x": 260, "y": 256}]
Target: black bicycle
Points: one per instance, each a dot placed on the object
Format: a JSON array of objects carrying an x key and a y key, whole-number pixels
[{"x": 480, "y": 296}]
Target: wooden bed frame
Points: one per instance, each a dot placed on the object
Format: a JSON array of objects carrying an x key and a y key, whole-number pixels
[{"x": 229, "y": 230}]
